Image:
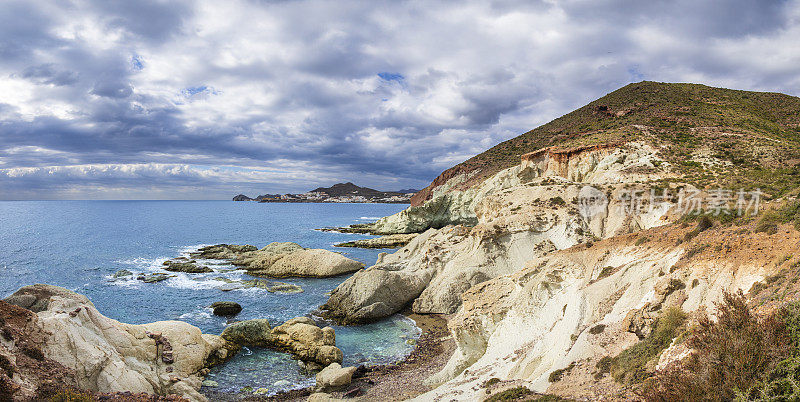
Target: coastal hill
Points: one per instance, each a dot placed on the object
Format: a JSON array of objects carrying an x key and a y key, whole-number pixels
[
  {"x": 340, "y": 192},
  {"x": 757, "y": 132},
  {"x": 568, "y": 260}
]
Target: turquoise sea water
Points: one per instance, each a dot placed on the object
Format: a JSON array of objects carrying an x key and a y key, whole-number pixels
[{"x": 80, "y": 244}]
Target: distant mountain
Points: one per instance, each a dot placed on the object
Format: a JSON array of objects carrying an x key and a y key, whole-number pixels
[
  {"x": 408, "y": 191},
  {"x": 268, "y": 197},
  {"x": 340, "y": 192},
  {"x": 350, "y": 189}
]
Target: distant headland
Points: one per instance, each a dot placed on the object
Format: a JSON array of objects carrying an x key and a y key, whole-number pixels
[{"x": 340, "y": 192}]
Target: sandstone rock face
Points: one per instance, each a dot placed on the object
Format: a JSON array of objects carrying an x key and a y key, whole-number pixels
[
  {"x": 299, "y": 336},
  {"x": 282, "y": 260},
  {"x": 109, "y": 356},
  {"x": 524, "y": 325},
  {"x": 520, "y": 214},
  {"x": 334, "y": 376},
  {"x": 449, "y": 205}
]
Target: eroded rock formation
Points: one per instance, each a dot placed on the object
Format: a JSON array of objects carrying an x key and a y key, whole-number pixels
[{"x": 162, "y": 358}]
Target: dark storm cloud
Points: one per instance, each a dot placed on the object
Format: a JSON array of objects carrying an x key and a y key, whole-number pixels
[
  {"x": 48, "y": 74},
  {"x": 190, "y": 99}
]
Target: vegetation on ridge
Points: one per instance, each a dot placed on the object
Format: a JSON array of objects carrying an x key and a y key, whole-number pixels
[{"x": 711, "y": 136}]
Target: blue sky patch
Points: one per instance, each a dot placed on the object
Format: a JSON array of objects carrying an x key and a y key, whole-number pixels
[{"x": 392, "y": 76}]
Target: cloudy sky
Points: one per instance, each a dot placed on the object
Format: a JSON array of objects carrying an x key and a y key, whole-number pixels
[{"x": 206, "y": 99}]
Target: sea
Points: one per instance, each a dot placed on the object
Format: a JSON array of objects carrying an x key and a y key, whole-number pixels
[{"x": 79, "y": 245}]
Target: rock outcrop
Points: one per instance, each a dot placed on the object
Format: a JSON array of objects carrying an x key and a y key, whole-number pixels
[
  {"x": 522, "y": 213},
  {"x": 525, "y": 325},
  {"x": 299, "y": 336},
  {"x": 168, "y": 357},
  {"x": 388, "y": 241},
  {"x": 282, "y": 260}
]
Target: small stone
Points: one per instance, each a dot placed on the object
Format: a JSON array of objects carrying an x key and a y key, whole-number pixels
[
  {"x": 261, "y": 391},
  {"x": 174, "y": 379},
  {"x": 282, "y": 383},
  {"x": 210, "y": 384}
]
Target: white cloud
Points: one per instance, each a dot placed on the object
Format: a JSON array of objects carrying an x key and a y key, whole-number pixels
[{"x": 124, "y": 90}]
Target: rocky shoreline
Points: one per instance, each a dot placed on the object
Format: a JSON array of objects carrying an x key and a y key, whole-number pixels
[
  {"x": 402, "y": 380},
  {"x": 388, "y": 241}
]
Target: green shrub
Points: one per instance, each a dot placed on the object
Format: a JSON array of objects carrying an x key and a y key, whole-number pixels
[
  {"x": 510, "y": 394},
  {"x": 703, "y": 223},
  {"x": 603, "y": 367},
  {"x": 488, "y": 383},
  {"x": 740, "y": 355},
  {"x": 556, "y": 375},
  {"x": 629, "y": 366}
]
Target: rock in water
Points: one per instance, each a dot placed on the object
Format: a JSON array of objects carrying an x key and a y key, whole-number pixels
[
  {"x": 189, "y": 267},
  {"x": 122, "y": 273},
  {"x": 374, "y": 293},
  {"x": 222, "y": 251},
  {"x": 299, "y": 336},
  {"x": 226, "y": 308},
  {"x": 249, "y": 333},
  {"x": 282, "y": 260},
  {"x": 153, "y": 278},
  {"x": 334, "y": 376}
]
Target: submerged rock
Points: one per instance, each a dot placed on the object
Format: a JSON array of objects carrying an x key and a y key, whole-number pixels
[
  {"x": 282, "y": 260},
  {"x": 226, "y": 308},
  {"x": 270, "y": 286},
  {"x": 156, "y": 277},
  {"x": 122, "y": 273}
]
